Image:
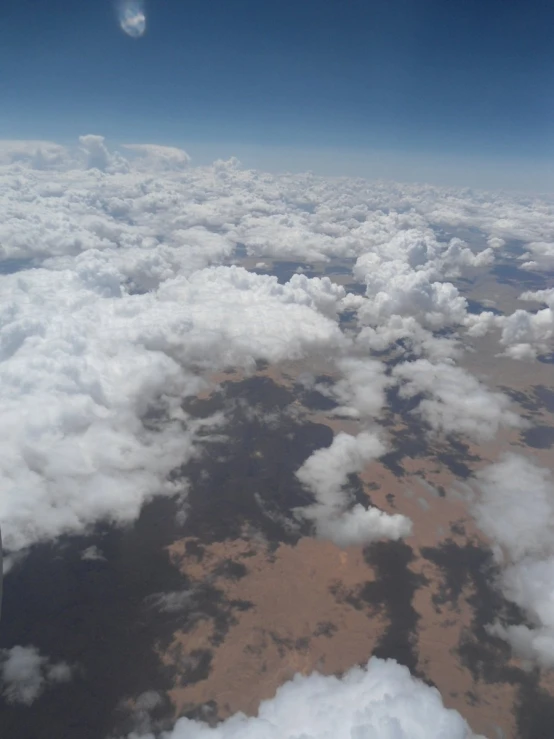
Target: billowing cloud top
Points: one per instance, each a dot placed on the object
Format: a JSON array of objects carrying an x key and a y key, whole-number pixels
[{"x": 381, "y": 701}]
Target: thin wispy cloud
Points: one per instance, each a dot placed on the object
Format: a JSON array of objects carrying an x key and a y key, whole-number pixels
[{"x": 132, "y": 17}]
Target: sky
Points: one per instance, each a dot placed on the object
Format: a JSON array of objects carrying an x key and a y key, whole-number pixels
[{"x": 419, "y": 90}]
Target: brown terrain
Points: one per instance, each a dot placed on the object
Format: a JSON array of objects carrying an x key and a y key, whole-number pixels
[
  {"x": 290, "y": 603},
  {"x": 312, "y": 606}
]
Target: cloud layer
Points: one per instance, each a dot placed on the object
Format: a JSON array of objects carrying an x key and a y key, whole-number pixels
[{"x": 119, "y": 294}]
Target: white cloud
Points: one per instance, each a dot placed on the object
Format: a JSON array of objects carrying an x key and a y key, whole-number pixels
[
  {"x": 407, "y": 329},
  {"x": 25, "y": 674},
  {"x": 361, "y": 388},
  {"x": 540, "y": 256},
  {"x": 529, "y": 583},
  {"x": 132, "y": 18},
  {"x": 515, "y": 507},
  {"x": 118, "y": 298},
  {"x": 36, "y": 154},
  {"x": 98, "y": 156},
  {"x": 82, "y": 370},
  {"x": 455, "y": 401},
  {"x": 523, "y": 333},
  {"x": 360, "y": 526},
  {"x": 117, "y": 321},
  {"x": 380, "y": 701},
  {"x": 152, "y": 157},
  {"x": 92, "y": 554},
  {"x": 405, "y": 276},
  {"x": 326, "y": 472}
]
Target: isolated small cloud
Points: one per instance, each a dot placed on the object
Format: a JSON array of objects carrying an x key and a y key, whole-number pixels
[
  {"x": 25, "y": 674},
  {"x": 132, "y": 17},
  {"x": 360, "y": 526},
  {"x": 326, "y": 472},
  {"x": 92, "y": 554}
]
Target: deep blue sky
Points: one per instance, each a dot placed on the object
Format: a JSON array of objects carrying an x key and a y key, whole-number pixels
[{"x": 452, "y": 77}]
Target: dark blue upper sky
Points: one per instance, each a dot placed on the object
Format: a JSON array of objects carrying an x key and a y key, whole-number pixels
[{"x": 449, "y": 76}]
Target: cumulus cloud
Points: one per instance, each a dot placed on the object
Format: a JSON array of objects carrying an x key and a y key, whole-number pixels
[
  {"x": 36, "y": 154},
  {"x": 98, "y": 156},
  {"x": 83, "y": 369},
  {"x": 523, "y": 333},
  {"x": 116, "y": 299},
  {"x": 455, "y": 401},
  {"x": 405, "y": 277},
  {"x": 361, "y": 388},
  {"x": 515, "y": 507},
  {"x": 113, "y": 322},
  {"x": 529, "y": 584},
  {"x": 381, "y": 700},
  {"x": 153, "y": 157},
  {"x": 25, "y": 674},
  {"x": 326, "y": 472}
]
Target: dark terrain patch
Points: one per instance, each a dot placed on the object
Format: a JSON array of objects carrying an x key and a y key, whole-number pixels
[
  {"x": 527, "y": 400},
  {"x": 486, "y": 656},
  {"x": 107, "y": 616},
  {"x": 255, "y": 463},
  {"x": 315, "y": 400},
  {"x": 326, "y": 628},
  {"x": 509, "y": 273},
  {"x": 545, "y": 397},
  {"x": 391, "y": 594},
  {"x": 394, "y": 588},
  {"x": 539, "y": 437},
  {"x": 95, "y": 615},
  {"x": 411, "y": 437}
]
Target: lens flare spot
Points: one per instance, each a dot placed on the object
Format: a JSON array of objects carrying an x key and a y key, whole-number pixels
[{"x": 132, "y": 17}]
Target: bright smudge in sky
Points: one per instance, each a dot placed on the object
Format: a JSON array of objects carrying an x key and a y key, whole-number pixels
[{"x": 132, "y": 18}]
